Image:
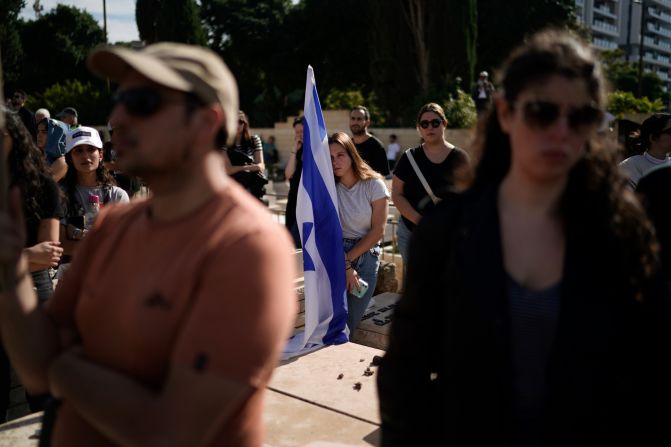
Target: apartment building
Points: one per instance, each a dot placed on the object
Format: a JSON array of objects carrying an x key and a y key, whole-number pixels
[{"x": 618, "y": 24}]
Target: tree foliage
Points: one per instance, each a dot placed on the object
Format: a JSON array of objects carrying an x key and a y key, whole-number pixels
[
  {"x": 460, "y": 110},
  {"x": 503, "y": 25},
  {"x": 92, "y": 105},
  {"x": 173, "y": 21},
  {"x": 10, "y": 42},
  {"x": 56, "y": 45},
  {"x": 621, "y": 103},
  {"x": 251, "y": 38},
  {"x": 624, "y": 76},
  {"x": 418, "y": 51}
]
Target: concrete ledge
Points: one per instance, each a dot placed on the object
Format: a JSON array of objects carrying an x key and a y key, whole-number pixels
[
  {"x": 373, "y": 331},
  {"x": 292, "y": 422},
  {"x": 314, "y": 378}
]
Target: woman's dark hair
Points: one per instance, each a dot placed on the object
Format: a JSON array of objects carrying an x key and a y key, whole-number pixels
[
  {"x": 69, "y": 183},
  {"x": 361, "y": 169},
  {"x": 27, "y": 167},
  {"x": 596, "y": 202},
  {"x": 431, "y": 107},
  {"x": 651, "y": 128}
]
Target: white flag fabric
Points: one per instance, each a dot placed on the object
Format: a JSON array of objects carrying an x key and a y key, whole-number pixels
[{"x": 321, "y": 237}]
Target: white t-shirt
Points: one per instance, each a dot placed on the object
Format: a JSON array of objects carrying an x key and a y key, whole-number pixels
[
  {"x": 110, "y": 195},
  {"x": 355, "y": 206},
  {"x": 637, "y": 166},
  {"x": 392, "y": 151}
]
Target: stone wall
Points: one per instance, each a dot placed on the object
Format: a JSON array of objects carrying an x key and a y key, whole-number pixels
[{"x": 338, "y": 120}]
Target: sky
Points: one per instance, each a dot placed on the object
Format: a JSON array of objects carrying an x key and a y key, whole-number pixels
[{"x": 120, "y": 15}]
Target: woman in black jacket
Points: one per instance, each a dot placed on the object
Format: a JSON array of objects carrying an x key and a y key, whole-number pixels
[{"x": 534, "y": 313}]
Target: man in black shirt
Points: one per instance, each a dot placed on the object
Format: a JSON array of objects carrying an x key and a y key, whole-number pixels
[
  {"x": 370, "y": 148},
  {"x": 19, "y": 105}
]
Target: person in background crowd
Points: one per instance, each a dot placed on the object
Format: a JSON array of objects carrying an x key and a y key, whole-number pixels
[
  {"x": 18, "y": 104},
  {"x": 182, "y": 301},
  {"x": 293, "y": 172},
  {"x": 41, "y": 205},
  {"x": 534, "y": 312},
  {"x": 392, "y": 151},
  {"x": 440, "y": 164},
  {"x": 653, "y": 142},
  {"x": 483, "y": 92},
  {"x": 41, "y": 114},
  {"x": 370, "y": 148},
  {"x": 270, "y": 153},
  {"x": 69, "y": 116},
  {"x": 86, "y": 177},
  {"x": 654, "y": 188},
  {"x": 244, "y": 159},
  {"x": 51, "y": 136},
  {"x": 362, "y": 207}
]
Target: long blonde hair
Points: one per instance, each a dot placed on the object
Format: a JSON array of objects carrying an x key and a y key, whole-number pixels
[{"x": 361, "y": 169}]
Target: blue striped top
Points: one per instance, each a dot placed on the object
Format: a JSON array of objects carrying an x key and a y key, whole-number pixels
[{"x": 533, "y": 318}]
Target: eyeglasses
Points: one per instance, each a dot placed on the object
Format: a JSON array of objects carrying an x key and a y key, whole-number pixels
[
  {"x": 143, "y": 101},
  {"x": 542, "y": 114},
  {"x": 435, "y": 123},
  {"x": 666, "y": 131}
]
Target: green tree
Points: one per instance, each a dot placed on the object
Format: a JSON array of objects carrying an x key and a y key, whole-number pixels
[
  {"x": 460, "y": 110},
  {"x": 55, "y": 47},
  {"x": 10, "y": 41},
  {"x": 250, "y": 36},
  {"x": 173, "y": 20},
  {"x": 503, "y": 25},
  {"x": 92, "y": 105},
  {"x": 620, "y": 103},
  {"x": 623, "y": 76},
  {"x": 418, "y": 51},
  {"x": 146, "y": 15}
]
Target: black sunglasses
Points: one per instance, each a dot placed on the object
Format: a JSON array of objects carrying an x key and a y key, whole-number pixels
[
  {"x": 144, "y": 101},
  {"x": 542, "y": 114},
  {"x": 435, "y": 123},
  {"x": 666, "y": 131}
]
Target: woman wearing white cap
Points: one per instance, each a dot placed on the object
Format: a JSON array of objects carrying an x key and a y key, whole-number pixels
[{"x": 87, "y": 182}]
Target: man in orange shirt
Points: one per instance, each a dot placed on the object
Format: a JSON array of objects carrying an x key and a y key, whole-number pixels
[{"x": 167, "y": 326}]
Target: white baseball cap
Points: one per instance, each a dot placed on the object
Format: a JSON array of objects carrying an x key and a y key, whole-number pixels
[{"x": 82, "y": 135}]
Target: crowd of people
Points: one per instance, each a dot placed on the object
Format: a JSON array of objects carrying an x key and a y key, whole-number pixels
[{"x": 535, "y": 308}]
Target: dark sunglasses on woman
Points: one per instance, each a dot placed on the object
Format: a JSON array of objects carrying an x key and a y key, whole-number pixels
[
  {"x": 435, "y": 123},
  {"x": 542, "y": 114}
]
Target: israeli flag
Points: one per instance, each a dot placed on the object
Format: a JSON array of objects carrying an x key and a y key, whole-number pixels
[{"x": 321, "y": 235}]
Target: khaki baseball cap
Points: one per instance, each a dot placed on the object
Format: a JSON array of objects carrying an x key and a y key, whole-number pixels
[{"x": 181, "y": 67}]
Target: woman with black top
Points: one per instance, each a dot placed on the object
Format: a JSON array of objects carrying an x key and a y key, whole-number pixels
[
  {"x": 293, "y": 172},
  {"x": 244, "y": 160},
  {"x": 534, "y": 312},
  {"x": 42, "y": 203},
  {"x": 439, "y": 161},
  {"x": 42, "y": 210}
]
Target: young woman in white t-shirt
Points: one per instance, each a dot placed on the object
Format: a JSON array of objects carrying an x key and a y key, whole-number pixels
[
  {"x": 362, "y": 206},
  {"x": 654, "y": 141},
  {"x": 86, "y": 177}
]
